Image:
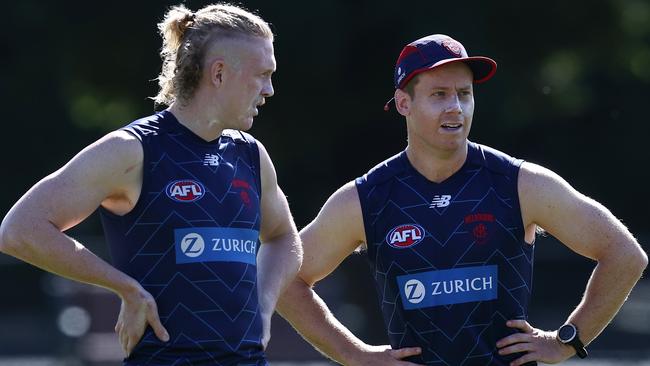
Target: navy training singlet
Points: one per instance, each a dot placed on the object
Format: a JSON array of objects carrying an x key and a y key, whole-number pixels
[
  {"x": 449, "y": 259},
  {"x": 191, "y": 241}
]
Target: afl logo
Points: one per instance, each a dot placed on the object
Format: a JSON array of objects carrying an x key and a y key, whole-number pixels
[
  {"x": 185, "y": 190},
  {"x": 405, "y": 236}
]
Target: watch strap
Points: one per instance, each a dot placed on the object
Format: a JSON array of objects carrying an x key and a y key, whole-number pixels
[{"x": 581, "y": 351}]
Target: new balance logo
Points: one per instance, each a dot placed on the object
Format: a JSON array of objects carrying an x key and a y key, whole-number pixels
[
  {"x": 440, "y": 201},
  {"x": 211, "y": 160}
]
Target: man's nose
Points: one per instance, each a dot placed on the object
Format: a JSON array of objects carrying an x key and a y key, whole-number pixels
[
  {"x": 268, "y": 91},
  {"x": 454, "y": 105}
]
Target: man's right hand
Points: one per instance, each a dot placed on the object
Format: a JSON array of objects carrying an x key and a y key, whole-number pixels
[
  {"x": 138, "y": 310},
  {"x": 385, "y": 355}
]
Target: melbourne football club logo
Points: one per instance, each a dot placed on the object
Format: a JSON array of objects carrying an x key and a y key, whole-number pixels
[
  {"x": 187, "y": 190},
  {"x": 192, "y": 245},
  {"x": 405, "y": 236},
  {"x": 479, "y": 225},
  {"x": 453, "y": 47},
  {"x": 243, "y": 187}
]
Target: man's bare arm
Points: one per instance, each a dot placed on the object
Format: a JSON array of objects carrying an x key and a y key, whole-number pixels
[
  {"x": 589, "y": 229},
  {"x": 33, "y": 229},
  {"x": 280, "y": 256},
  {"x": 335, "y": 233}
]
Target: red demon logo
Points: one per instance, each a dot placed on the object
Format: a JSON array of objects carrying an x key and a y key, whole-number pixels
[
  {"x": 244, "y": 187},
  {"x": 453, "y": 47},
  {"x": 480, "y": 230}
]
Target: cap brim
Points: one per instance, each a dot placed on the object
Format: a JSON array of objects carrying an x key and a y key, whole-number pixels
[{"x": 483, "y": 68}]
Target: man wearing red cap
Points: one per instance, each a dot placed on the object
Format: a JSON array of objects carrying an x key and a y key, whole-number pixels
[{"x": 449, "y": 226}]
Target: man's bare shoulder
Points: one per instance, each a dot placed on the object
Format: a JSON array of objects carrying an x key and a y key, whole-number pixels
[
  {"x": 343, "y": 208},
  {"x": 113, "y": 153},
  {"x": 343, "y": 202},
  {"x": 111, "y": 162},
  {"x": 538, "y": 181},
  {"x": 348, "y": 192},
  {"x": 120, "y": 144}
]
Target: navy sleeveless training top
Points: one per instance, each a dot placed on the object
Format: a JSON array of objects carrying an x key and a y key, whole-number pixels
[
  {"x": 191, "y": 241},
  {"x": 449, "y": 259}
]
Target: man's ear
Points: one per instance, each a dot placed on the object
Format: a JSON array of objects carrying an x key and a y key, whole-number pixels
[
  {"x": 402, "y": 102},
  {"x": 216, "y": 72}
]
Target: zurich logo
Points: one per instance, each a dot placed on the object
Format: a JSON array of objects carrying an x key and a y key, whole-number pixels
[
  {"x": 405, "y": 236},
  {"x": 186, "y": 190},
  {"x": 192, "y": 245},
  {"x": 448, "y": 286},
  {"x": 414, "y": 291}
]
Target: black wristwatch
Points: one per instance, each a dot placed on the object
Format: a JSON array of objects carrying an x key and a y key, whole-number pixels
[{"x": 568, "y": 334}]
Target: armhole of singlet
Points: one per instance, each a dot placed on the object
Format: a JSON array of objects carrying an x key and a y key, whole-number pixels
[
  {"x": 145, "y": 179},
  {"x": 358, "y": 182},
  {"x": 514, "y": 170},
  {"x": 255, "y": 156}
]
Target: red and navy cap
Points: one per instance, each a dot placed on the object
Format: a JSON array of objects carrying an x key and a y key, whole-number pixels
[{"x": 436, "y": 50}]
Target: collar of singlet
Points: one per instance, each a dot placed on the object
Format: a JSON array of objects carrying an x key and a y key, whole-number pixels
[
  {"x": 473, "y": 158},
  {"x": 174, "y": 125}
]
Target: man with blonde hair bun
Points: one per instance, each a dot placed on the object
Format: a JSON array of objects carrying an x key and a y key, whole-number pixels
[{"x": 186, "y": 200}]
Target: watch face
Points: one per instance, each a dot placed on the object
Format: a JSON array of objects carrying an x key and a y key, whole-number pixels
[{"x": 566, "y": 333}]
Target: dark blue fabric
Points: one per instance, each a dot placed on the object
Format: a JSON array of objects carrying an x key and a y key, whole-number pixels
[
  {"x": 470, "y": 223},
  {"x": 209, "y": 307}
]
